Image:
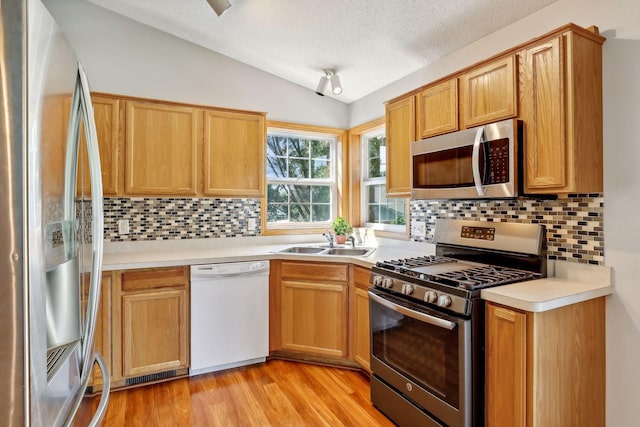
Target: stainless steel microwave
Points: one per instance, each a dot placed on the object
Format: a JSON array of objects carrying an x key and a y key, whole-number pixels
[{"x": 477, "y": 163}]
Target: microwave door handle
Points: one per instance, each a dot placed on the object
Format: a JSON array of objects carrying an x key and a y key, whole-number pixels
[
  {"x": 432, "y": 320},
  {"x": 475, "y": 161}
]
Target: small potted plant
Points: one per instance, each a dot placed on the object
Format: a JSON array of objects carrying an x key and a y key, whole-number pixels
[{"x": 341, "y": 228}]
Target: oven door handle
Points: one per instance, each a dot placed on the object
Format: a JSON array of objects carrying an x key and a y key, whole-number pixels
[{"x": 433, "y": 320}]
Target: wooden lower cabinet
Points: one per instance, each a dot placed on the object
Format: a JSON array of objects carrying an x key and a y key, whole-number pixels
[
  {"x": 360, "y": 330},
  {"x": 102, "y": 337},
  {"x": 546, "y": 369},
  {"x": 311, "y": 305},
  {"x": 151, "y": 324}
]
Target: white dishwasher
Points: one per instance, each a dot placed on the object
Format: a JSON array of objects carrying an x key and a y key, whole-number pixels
[{"x": 229, "y": 315}]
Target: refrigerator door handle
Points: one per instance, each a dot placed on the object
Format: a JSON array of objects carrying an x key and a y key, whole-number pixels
[
  {"x": 106, "y": 388},
  {"x": 97, "y": 221}
]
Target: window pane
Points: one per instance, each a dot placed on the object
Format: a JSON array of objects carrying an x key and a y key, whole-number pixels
[
  {"x": 298, "y": 147},
  {"x": 374, "y": 193},
  {"x": 277, "y": 193},
  {"x": 300, "y": 193},
  {"x": 276, "y": 167},
  {"x": 298, "y": 168},
  {"x": 276, "y": 145},
  {"x": 321, "y": 213},
  {"x": 376, "y": 151},
  {"x": 320, "y": 169},
  {"x": 300, "y": 213},
  {"x": 277, "y": 213},
  {"x": 321, "y": 194},
  {"x": 320, "y": 149}
]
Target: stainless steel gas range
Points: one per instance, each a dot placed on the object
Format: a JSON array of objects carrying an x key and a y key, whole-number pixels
[{"x": 427, "y": 320}]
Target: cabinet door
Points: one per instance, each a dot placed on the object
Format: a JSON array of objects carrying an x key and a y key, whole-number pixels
[
  {"x": 360, "y": 331},
  {"x": 102, "y": 337},
  {"x": 401, "y": 132},
  {"x": 106, "y": 113},
  {"x": 542, "y": 109},
  {"x": 234, "y": 154},
  {"x": 505, "y": 387},
  {"x": 437, "y": 109},
  {"x": 154, "y": 332},
  {"x": 161, "y": 149},
  {"x": 314, "y": 318},
  {"x": 489, "y": 93}
]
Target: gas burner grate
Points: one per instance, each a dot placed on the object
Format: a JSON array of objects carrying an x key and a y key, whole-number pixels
[
  {"x": 479, "y": 277},
  {"x": 423, "y": 261}
]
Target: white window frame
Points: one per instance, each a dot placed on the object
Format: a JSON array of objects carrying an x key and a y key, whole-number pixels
[
  {"x": 366, "y": 182},
  {"x": 331, "y": 181}
]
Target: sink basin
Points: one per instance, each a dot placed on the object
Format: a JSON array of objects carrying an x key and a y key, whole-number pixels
[
  {"x": 302, "y": 250},
  {"x": 326, "y": 250},
  {"x": 348, "y": 251}
]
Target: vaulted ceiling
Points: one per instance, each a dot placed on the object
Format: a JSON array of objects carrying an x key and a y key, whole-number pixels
[{"x": 370, "y": 43}]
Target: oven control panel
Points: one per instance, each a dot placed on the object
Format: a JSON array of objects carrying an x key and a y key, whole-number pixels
[
  {"x": 482, "y": 233},
  {"x": 423, "y": 294}
]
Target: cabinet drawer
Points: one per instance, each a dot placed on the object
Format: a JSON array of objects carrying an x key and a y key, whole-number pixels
[
  {"x": 361, "y": 276},
  {"x": 314, "y": 271},
  {"x": 153, "y": 278}
]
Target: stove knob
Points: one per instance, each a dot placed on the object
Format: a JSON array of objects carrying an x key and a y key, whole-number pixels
[
  {"x": 407, "y": 289},
  {"x": 387, "y": 283},
  {"x": 430, "y": 297},
  {"x": 377, "y": 280},
  {"x": 444, "y": 301}
]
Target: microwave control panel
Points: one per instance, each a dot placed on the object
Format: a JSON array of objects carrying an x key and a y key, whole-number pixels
[{"x": 498, "y": 161}]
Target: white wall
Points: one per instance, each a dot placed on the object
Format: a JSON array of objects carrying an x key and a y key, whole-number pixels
[{"x": 124, "y": 57}]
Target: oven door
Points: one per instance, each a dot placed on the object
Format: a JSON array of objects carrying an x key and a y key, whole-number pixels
[{"x": 424, "y": 355}]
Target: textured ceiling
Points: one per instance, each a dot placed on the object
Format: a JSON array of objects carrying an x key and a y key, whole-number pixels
[{"x": 370, "y": 43}]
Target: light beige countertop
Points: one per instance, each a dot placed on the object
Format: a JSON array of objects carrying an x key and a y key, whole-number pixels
[
  {"x": 168, "y": 253},
  {"x": 567, "y": 283}
]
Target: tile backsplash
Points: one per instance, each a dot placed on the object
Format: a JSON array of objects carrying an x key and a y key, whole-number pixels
[
  {"x": 574, "y": 224},
  {"x": 172, "y": 218}
]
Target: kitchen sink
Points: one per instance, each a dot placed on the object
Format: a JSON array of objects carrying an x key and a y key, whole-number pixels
[
  {"x": 348, "y": 251},
  {"x": 326, "y": 250},
  {"x": 302, "y": 250}
]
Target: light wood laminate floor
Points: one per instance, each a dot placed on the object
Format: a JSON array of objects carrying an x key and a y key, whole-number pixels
[{"x": 276, "y": 393}]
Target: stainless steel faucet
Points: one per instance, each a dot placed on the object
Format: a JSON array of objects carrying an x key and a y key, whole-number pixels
[
  {"x": 353, "y": 241},
  {"x": 329, "y": 237}
]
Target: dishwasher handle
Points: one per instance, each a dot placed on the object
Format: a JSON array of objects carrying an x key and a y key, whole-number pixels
[{"x": 237, "y": 269}]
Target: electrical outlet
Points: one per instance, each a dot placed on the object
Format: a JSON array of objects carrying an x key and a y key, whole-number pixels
[
  {"x": 123, "y": 226},
  {"x": 251, "y": 224},
  {"x": 418, "y": 228}
]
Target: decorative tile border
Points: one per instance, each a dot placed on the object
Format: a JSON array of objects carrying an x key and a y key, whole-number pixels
[
  {"x": 179, "y": 218},
  {"x": 574, "y": 224}
]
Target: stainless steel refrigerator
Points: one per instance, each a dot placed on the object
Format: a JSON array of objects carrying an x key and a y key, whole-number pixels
[{"x": 51, "y": 223}]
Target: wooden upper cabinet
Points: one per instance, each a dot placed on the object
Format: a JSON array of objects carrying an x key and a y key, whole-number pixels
[
  {"x": 489, "y": 93},
  {"x": 234, "y": 154},
  {"x": 106, "y": 113},
  {"x": 161, "y": 149},
  {"x": 437, "y": 109},
  {"x": 401, "y": 132},
  {"x": 561, "y": 106}
]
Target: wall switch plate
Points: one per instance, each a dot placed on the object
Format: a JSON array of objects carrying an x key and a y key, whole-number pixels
[
  {"x": 123, "y": 226},
  {"x": 251, "y": 224},
  {"x": 418, "y": 228}
]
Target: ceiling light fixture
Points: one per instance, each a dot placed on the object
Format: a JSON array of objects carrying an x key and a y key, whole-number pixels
[
  {"x": 329, "y": 76},
  {"x": 219, "y": 6}
]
